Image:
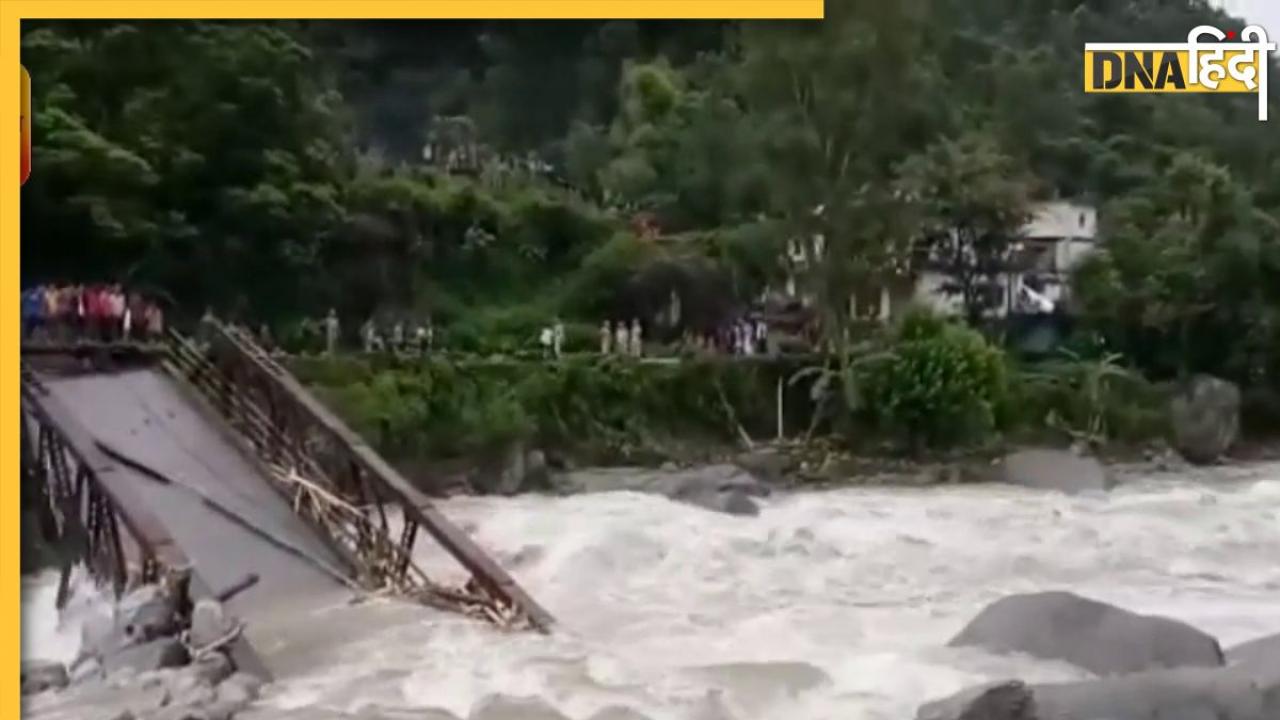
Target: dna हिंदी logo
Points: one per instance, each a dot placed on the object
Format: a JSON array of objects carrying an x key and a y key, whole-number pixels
[{"x": 1229, "y": 65}]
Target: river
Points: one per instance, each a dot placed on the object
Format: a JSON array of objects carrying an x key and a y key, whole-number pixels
[{"x": 829, "y": 605}]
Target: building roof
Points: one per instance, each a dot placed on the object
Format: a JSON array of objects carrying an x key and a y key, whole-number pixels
[{"x": 1062, "y": 219}]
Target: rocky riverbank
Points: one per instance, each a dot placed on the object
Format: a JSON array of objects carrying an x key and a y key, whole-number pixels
[
  {"x": 155, "y": 657},
  {"x": 733, "y": 483}
]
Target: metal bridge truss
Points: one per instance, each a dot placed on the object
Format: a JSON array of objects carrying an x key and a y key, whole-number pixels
[{"x": 340, "y": 485}]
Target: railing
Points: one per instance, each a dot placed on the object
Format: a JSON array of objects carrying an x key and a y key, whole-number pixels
[{"x": 339, "y": 484}]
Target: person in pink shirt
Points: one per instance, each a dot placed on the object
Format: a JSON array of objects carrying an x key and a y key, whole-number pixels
[
  {"x": 94, "y": 312},
  {"x": 114, "y": 301},
  {"x": 80, "y": 320}
]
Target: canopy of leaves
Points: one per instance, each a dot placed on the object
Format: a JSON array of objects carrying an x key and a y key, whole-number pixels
[{"x": 277, "y": 168}]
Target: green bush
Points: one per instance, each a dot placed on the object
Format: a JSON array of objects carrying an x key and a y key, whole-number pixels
[
  {"x": 938, "y": 386},
  {"x": 605, "y": 406},
  {"x": 1095, "y": 399}
]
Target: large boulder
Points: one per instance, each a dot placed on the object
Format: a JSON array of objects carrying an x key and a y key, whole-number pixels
[
  {"x": 512, "y": 471},
  {"x": 1263, "y": 652},
  {"x": 767, "y": 464},
  {"x": 1012, "y": 700},
  {"x": 144, "y": 657},
  {"x": 1101, "y": 638},
  {"x": 1206, "y": 418},
  {"x": 1167, "y": 694},
  {"x": 729, "y": 502},
  {"x": 1047, "y": 469}
]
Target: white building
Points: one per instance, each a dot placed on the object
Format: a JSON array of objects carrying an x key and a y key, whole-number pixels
[{"x": 1059, "y": 235}]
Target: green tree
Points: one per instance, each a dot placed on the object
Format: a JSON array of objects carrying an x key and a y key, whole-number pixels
[
  {"x": 973, "y": 200},
  {"x": 834, "y": 105},
  {"x": 201, "y": 158},
  {"x": 1186, "y": 280}
]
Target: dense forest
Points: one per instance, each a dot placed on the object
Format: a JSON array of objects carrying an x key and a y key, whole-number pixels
[{"x": 272, "y": 171}]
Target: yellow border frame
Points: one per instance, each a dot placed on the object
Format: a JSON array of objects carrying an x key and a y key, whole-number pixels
[{"x": 11, "y": 14}]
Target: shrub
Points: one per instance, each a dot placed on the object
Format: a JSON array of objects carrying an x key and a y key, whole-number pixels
[
  {"x": 434, "y": 407},
  {"x": 1094, "y": 399},
  {"x": 938, "y": 385}
]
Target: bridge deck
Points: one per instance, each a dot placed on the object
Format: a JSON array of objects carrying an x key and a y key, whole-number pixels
[{"x": 218, "y": 508}]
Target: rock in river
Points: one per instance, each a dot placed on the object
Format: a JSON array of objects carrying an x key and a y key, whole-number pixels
[
  {"x": 1206, "y": 418},
  {"x": 1168, "y": 694},
  {"x": 1263, "y": 652},
  {"x": 1100, "y": 638},
  {"x": 1047, "y": 469},
  {"x": 41, "y": 675},
  {"x": 155, "y": 655}
]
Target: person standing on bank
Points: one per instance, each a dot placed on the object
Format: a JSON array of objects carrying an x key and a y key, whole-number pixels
[
  {"x": 331, "y": 332},
  {"x": 637, "y": 346},
  {"x": 545, "y": 339},
  {"x": 397, "y": 337},
  {"x": 117, "y": 309},
  {"x": 606, "y": 338},
  {"x": 621, "y": 342},
  {"x": 557, "y": 339}
]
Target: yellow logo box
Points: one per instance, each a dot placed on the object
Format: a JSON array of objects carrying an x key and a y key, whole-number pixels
[{"x": 1161, "y": 71}]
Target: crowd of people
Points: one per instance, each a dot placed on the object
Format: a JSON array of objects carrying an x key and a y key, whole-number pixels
[
  {"x": 620, "y": 339},
  {"x": 744, "y": 337},
  {"x": 415, "y": 339},
  {"x": 101, "y": 312}
]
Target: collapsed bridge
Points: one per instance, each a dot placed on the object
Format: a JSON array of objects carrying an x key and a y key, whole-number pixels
[{"x": 210, "y": 459}]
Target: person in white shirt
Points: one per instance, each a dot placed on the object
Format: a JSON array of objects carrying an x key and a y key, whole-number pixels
[
  {"x": 557, "y": 339},
  {"x": 606, "y": 338},
  {"x": 621, "y": 341},
  {"x": 637, "y": 345},
  {"x": 397, "y": 337},
  {"x": 331, "y": 332},
  {"x": 545, "y": 340}
]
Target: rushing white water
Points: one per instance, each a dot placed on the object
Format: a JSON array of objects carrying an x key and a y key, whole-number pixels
[
  {"x": 828, "y": 605},
  {"x": 47, "y": 634}
]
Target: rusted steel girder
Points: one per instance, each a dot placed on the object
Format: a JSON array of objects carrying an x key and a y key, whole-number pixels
[{"x": 341, "y": 483}]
